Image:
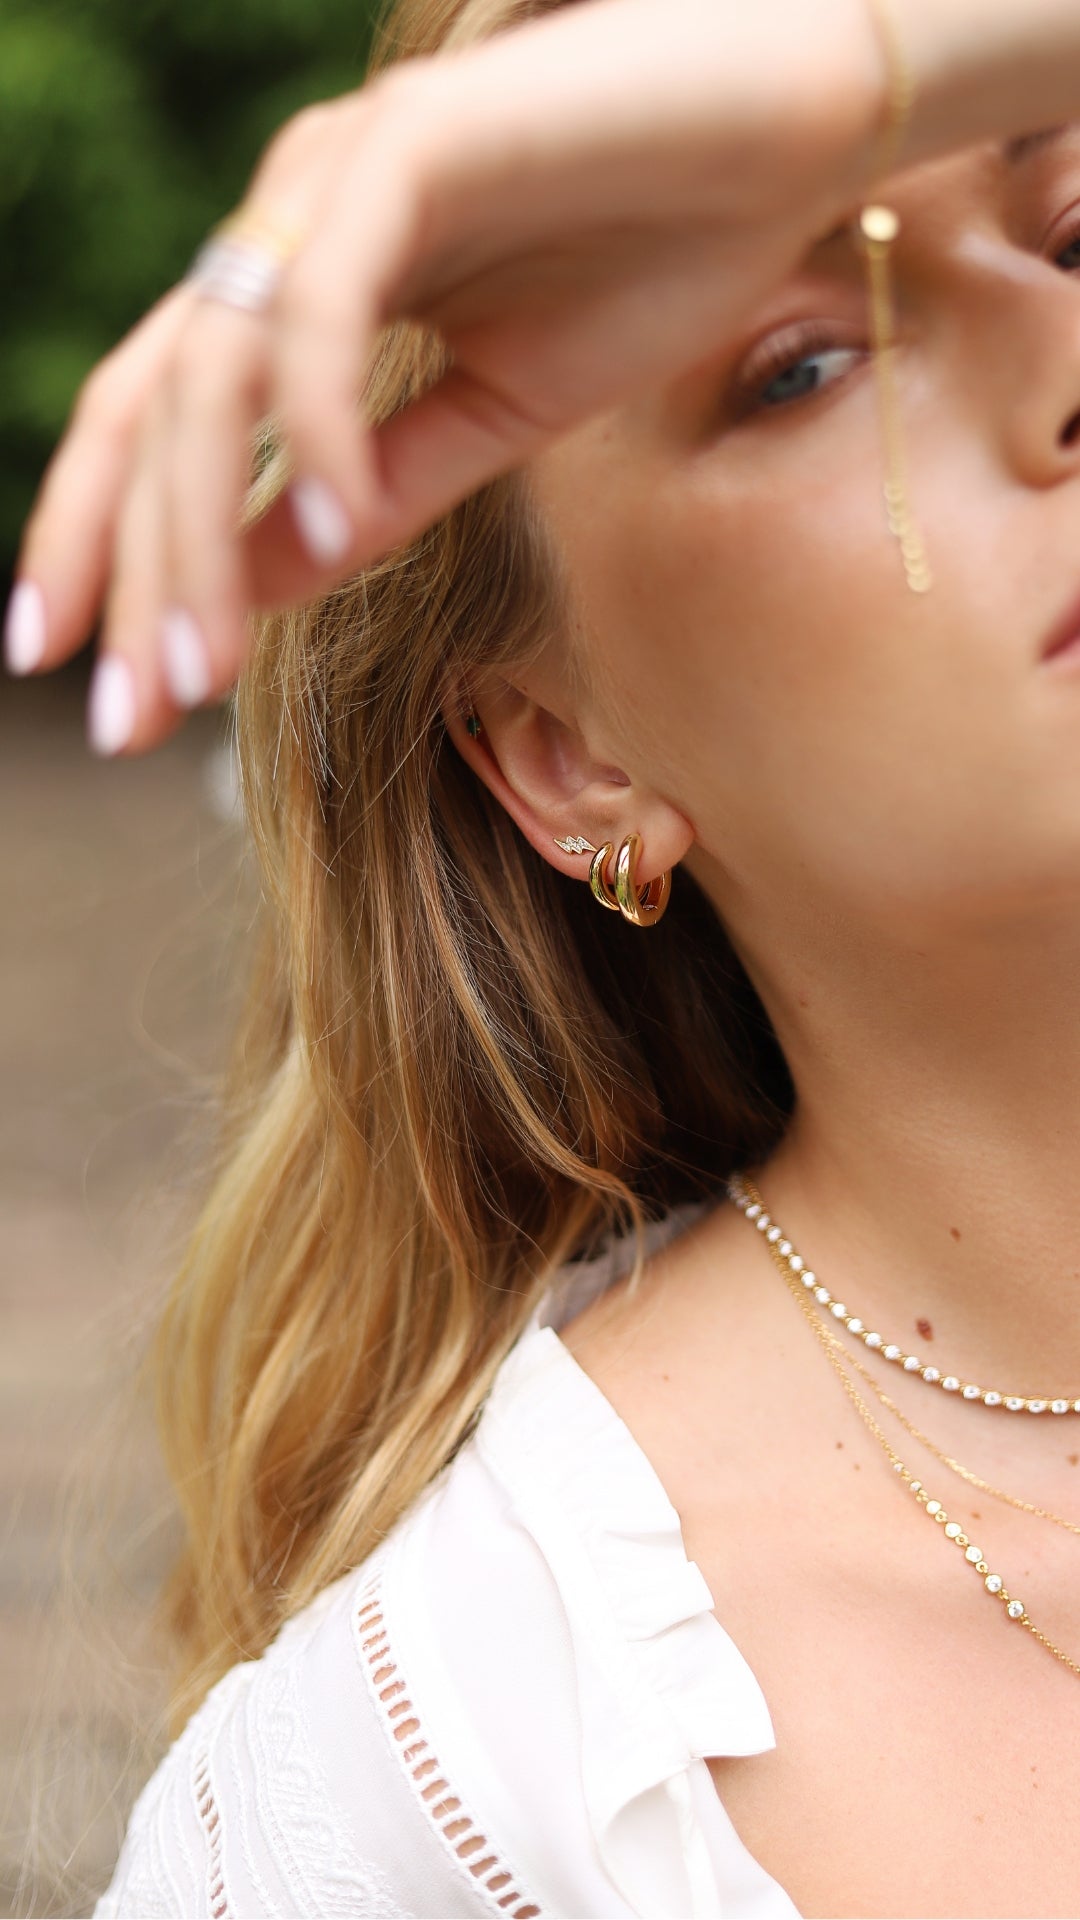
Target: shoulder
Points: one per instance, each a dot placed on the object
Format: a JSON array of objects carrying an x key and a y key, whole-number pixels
[
  {"x": 491, "y": 1716},
  {"x": 297, "y": 1787},
  {"x": 375, "y": 1759}
]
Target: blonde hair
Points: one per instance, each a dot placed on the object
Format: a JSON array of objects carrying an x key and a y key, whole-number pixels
[{"x": 454, "y": 1073}]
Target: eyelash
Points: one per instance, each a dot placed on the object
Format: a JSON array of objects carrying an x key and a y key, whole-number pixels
[
  {"x": 784, "y": 354},
  {"x": 793, "y": 348}
]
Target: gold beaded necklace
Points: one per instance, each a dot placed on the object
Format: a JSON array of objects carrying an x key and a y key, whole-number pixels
[
  {"x": 744, "y": 1194},
  {"x": 965, "y": 1473},
  {"x": 890, "y": 1350}
]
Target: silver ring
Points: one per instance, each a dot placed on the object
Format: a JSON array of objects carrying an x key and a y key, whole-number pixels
[{"x": 238, "y": 273}]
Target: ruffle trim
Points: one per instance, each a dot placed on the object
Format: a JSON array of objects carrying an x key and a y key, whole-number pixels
[{"x": 661, "y": 1684}]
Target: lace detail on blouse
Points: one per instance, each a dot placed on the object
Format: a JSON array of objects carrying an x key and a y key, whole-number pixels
[
  {"x": 467, "y": 1846},
  {"x": 326, "y": 1879},
  {"x": 210, "y": 1821},
  {"x": 239, "y": 1819}
]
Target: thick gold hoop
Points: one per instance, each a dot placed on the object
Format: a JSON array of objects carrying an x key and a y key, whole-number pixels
[
  {"x": 601, "y": 890},
  {"x": 642, "y": 909}
]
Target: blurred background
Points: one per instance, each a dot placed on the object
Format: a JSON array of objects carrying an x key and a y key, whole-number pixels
[{"x": 126, "y": 131}]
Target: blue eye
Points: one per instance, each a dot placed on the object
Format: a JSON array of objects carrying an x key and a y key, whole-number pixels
[
  {"x": 806, "y": 376},
  {"x": 792, "y": 365}
]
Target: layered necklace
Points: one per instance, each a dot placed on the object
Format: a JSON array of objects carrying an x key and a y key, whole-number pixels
[{"x": 811, "y": 1296}]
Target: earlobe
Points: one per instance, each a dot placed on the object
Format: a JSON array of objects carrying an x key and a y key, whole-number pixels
[
  {"x": 643, "y": 906},
  {"x": 539, "y": 766}
]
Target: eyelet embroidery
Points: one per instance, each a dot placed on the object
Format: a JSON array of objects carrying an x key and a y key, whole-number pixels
[
  {"x": 211, "y": 1824},
  {"x": 455, "y": 1825}
]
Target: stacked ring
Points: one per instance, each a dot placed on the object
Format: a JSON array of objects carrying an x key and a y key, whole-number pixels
[{"x": 242, "y": 261}]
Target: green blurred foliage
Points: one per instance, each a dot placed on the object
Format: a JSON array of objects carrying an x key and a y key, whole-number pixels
[{"x": 127, "y": 128}]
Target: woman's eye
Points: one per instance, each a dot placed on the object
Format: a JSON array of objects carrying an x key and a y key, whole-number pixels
[
  {"x": 1070, "y": 258},
  {"x": 807, "y": 375},
  {"x": 793, "y": 364}
]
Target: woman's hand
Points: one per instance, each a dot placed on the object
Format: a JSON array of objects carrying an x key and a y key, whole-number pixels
[{"x": 580, "y": 206}]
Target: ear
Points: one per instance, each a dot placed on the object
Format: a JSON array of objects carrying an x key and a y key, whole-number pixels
[{"x": 548, "y": 775}]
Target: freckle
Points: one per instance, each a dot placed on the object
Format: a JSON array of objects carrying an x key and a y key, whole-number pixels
[
  {"x": 955, "y": 1231},
  {"x": 975, "y": 1516},
  {"x": 924, "y": 1329},
  {"x": 803, "y": 1000},
  {"x": 665, "y": 1376},
  {"x": 979, "y": 1818},
  {"x": 858, "y": 1469},
  {"x": 839, "y": 1443},
  {"x": 1073, "y": 1458}
]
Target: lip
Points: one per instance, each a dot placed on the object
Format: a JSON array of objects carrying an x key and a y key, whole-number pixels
[{"x": 1065, "y": 635}]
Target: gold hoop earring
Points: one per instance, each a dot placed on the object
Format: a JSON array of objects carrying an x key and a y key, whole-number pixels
[
  {"x": 644, "y": 908},
  {"x": 600, "y": 888}
]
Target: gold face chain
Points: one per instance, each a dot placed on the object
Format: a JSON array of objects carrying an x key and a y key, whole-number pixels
[
  {"x": 743, "y": 1193},
  {"x": 879, "y": 227}
]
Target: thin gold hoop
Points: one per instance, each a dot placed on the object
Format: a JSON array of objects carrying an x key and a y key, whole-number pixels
[
  {"x": 601, "y": 890},
  {"x": 644, "y": 908}
]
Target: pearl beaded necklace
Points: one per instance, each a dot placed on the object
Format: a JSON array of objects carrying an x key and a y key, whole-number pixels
[{"x": 888, "y": 1349}]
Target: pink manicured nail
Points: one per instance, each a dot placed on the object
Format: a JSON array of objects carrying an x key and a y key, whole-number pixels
[
  {"x": 24, "y": 628},
  {"x": 111, "y": 707},
  {"x": 322, "y": 521},
  {"x": 185, "y": 659}
]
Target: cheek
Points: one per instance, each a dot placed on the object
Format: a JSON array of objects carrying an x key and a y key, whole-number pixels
[
  {"x": 736, "y": 621},
  {"x": 775, "y": 677}
]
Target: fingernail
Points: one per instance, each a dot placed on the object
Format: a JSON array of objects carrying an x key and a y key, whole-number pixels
[
  {"x": 185, "y": 659},
  {"x": 24, "y": 628},
  {"x": 111, "y": 707},
  {"x": 323, "y": 523}
]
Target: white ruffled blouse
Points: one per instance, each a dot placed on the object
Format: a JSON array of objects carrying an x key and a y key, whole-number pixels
[{"x": 506, "y": 1710}]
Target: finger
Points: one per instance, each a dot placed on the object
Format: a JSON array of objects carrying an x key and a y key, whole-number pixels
[
  {"x": 303, "y": 157},
  {"x": 426, "y": 459},
  {"x": 217, "y": 398},
  {"x": 454, "y": 439},
  {"x": 219, "y": 391},
  {"x": 129, "y": 708},
  {"x": 67, "y": 545},
  {"x": 331, "y": 304},
  {"x": 280, "y": 569}
]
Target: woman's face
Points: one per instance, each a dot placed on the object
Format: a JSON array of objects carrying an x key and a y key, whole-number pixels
[{"x": 763, "y": 665}]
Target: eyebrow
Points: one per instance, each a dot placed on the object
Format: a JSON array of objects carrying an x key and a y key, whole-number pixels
[{"x": 1015, "y": 152}]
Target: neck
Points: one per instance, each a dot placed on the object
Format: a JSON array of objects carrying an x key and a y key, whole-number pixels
[{"x": 930, "y": 1175}]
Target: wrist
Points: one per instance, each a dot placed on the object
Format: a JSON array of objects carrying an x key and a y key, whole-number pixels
[{"x": 986, "y": 69}]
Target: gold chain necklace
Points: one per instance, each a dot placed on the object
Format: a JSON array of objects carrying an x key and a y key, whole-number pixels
[
  {"x": 974, "y": 1479},
  {"x": 889, "y": 1349},
  {"x": 743, "y": 1193}
]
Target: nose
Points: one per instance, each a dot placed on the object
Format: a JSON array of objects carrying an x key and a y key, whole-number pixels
[{"x": 1022, "y": 346}]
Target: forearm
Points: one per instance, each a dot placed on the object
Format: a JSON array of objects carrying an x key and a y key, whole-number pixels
[{"x": 987, "y": 68}]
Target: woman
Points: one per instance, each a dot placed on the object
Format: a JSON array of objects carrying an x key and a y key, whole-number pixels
[{"x": 523, "y": 1576}]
